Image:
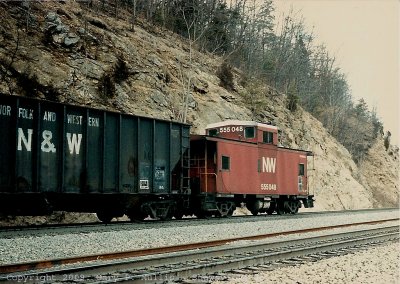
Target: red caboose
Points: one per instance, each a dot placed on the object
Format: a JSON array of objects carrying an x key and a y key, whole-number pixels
[{"x": 240, "y": 162}]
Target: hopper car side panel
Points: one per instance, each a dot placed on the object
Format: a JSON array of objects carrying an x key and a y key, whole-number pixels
[{"x": 64, "y": 157}]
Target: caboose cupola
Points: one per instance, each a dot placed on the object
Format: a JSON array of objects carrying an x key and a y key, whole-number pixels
[{"x": 249, "y": 131}]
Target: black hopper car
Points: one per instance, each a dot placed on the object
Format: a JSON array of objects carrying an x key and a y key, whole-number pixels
[{"x": 57, "y": 157}]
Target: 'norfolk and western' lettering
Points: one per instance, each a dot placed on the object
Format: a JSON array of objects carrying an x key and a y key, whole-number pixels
[
  {"x": 24, "y": 113},
  {"x": 77, "y": 119},
  {"x": 5, "y": 110},
  {"x": 24, "y": 139},
  {"x": 27, "y": 113}
]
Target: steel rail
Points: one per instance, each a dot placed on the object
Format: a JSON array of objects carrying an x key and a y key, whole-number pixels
[
  {"x": 238, "y": 262},
  {"x": 36, "y": 265},
  {"x": 239, "y": 256}
]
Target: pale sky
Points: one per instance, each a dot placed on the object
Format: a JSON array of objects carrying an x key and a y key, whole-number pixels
[{"x": 363, "y": 36}]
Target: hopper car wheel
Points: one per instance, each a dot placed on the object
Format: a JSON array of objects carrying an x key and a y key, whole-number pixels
[
  {"x": 137, "y": 216},
  {"x": 134, "y": 218},
  {"x": 203, "y": 215},
  {"x": 217, "y": 215},
  {"x": 104, "y": 217},
  {"x": 166, "y": 217},
  {"x": 178, "y": 215}
]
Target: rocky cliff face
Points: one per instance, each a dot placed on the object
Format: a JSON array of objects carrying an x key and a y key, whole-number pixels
[
  {"x": 379, "y": 173},
  {"x": 77, "y": 56}
]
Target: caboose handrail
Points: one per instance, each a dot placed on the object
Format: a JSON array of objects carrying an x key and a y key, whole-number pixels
[{"x": 206, "y": 184}]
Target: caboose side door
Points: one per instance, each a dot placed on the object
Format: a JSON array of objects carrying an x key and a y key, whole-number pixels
[
  {"x": 203, "y": 166},
  {"x": 210, "y": 176},
  {"x": 302, "y": 175}
]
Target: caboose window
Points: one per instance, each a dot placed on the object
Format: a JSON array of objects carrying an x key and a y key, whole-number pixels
[
  {"x": 268, "y": 137},
  {"x": 226, "y": 163},
  {"x": 249, "y": 132},
  {"x": 301, "y": 169},
  {"x": 213, "y": 132},
  {"x": 300, "y": 183}
]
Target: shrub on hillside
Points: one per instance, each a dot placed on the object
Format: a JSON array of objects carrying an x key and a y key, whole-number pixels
[
  {"x": 121, "y": 70},
  {"x": 225, "y": 74},
  {"x": 107, "y": 86},
  {"x": 292, "y": 98},
  {"x": 116, "y": 75},
  {"x": 387, "y": 140}
]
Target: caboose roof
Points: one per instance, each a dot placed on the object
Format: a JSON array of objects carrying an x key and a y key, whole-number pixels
[{"x": 243, "y": 123}]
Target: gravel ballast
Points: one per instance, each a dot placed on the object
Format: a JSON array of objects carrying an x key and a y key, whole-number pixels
[
  {"x": 378, "y": 264},
  {"x": 31, "y": 248}
]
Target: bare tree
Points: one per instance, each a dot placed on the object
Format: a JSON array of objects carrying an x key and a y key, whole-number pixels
[
  {"x": 12, "y": 49},
  {"x": 133, "y": 15},
  {"x": 193, "y": 36}
]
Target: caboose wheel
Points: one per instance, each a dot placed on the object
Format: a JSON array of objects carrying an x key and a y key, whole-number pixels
[
  {"x": 293, "y": 207},
  {"x": 280, "y": 208},
  {"x": 271, "y": 208},
  {"x": 225, "y": 209},
  {"x": 254, "y": 212},
  {"x": 104, "y": 217},
  {"x": 230, "y": 212},
  {"x": 178, "y": 215}
]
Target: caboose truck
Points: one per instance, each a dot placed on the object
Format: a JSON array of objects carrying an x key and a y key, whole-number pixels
[{"x": 240, "y": 162}]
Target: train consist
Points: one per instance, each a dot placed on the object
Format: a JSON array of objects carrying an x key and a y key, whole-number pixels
[{"x": 57, "y": 157}]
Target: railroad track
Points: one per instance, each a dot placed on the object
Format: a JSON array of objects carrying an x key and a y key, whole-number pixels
[
  {"x": 191, "y": 260},
  {"x": 59, "y": 229},
  {"x": 46, "y": 229}
]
